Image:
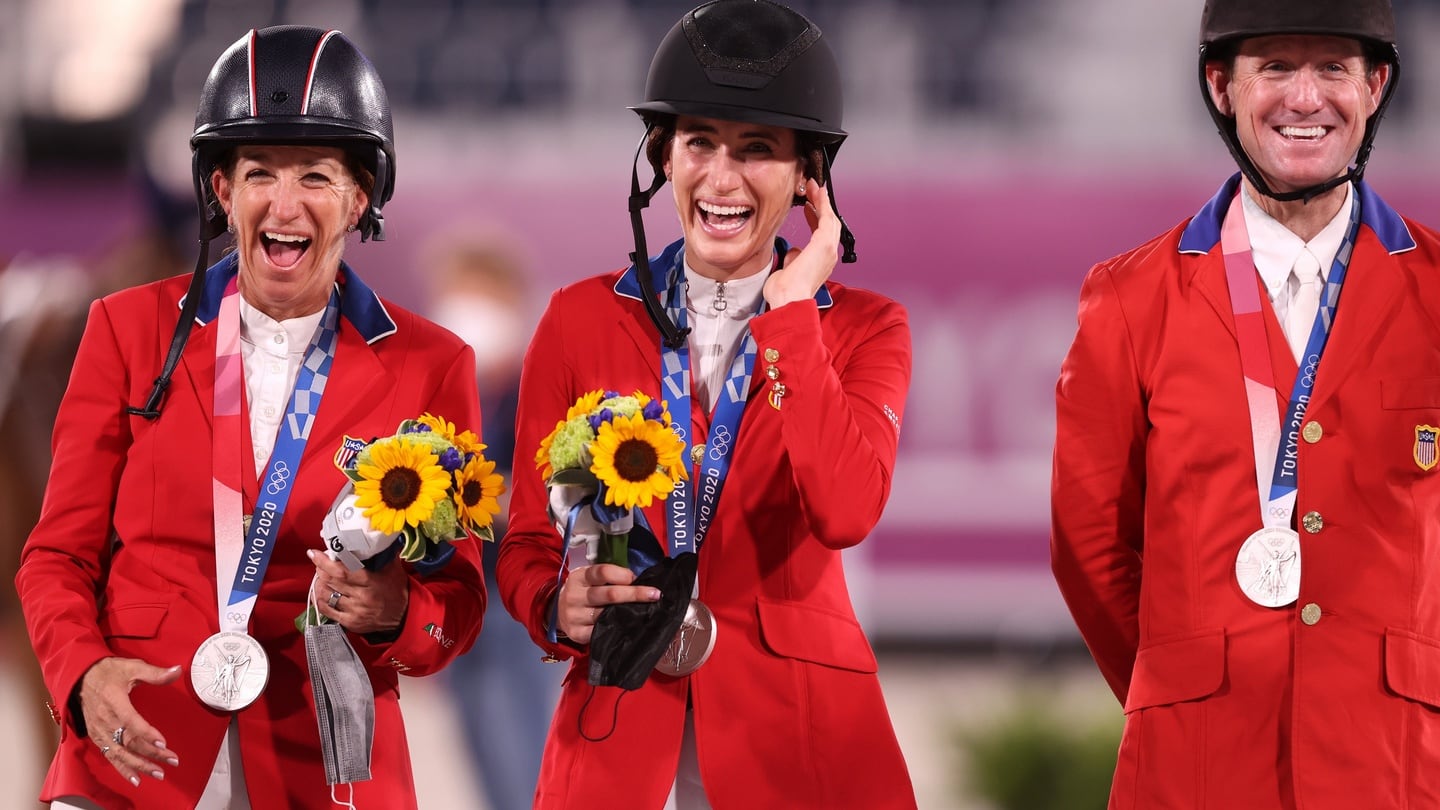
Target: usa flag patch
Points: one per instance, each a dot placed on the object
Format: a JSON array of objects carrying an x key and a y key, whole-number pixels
[
  {"x": 345, "y": 456},
  {"x": 1425, "y": 446}
]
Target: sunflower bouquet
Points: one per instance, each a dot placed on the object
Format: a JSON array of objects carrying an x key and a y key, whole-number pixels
[
  {"x": 610, "y": 454},
  {"x": 409, "y": 495},
  {"x": 428, "y": 484}
]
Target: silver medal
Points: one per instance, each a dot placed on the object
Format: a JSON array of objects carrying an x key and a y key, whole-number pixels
[
  {"x": 1268, "y": 567},
  {"x": 692, "y": 644},
  {"x": 229, "y": 671}
]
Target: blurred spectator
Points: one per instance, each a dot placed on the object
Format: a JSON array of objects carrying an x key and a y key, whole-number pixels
[{"x": 505, "y": 694}]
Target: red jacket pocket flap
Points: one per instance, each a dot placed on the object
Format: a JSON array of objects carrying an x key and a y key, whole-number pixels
[
  {"x": 1418, "y": 392},
  {"x": 814, "y": 634},
  {"x": 132, "y": 621},
  {"x": 1177, "y": 669},
  {"x": 1412, "y": 666}
]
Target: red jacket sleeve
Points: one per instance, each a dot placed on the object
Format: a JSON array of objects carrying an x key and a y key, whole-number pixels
[
  {"x": 1098, "y": 482},
  {"x": 64, "y": 560},
  {"x": 843, "y": 403},
  {"x": 530, "y": 555}
]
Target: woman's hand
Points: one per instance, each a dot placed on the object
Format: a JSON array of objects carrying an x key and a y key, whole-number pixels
[
  {"x": 131, "y": 744},
  {"x": 369, "y": 601},
  {"x": 590, "y": 588},
  {"x": 807, "y": 269}
]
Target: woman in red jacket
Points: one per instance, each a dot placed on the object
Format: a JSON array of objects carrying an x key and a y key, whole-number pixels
[
  {"x": 790, "y": 388},
  {"x": 174, "y": 549}
]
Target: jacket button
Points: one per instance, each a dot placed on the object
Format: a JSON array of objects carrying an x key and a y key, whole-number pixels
[
  {"x": 1312, "y": 522},
  {"x": 1312, "y": 432},
  {"x": 1310, "y": 614}
]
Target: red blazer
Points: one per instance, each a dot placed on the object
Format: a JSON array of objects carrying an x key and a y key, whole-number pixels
[
  {"x": 122, "y": 560},
  {"x": 1229, "y": 704},
  {"x": 788, "y": 711}
]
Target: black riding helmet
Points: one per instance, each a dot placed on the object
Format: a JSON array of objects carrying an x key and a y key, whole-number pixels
[
  {"x": 287, "y": 84},
  {"x": 739, "y": 60},
  {"x": 1224, "y": 23},
  {"x": 293, "y": 84}
]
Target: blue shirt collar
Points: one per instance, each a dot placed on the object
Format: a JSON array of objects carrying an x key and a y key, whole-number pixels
[
  {"x": 629, "y": 284},
  {"x": 358, "y": 303},
  {"x": 1203, "y": 232}
]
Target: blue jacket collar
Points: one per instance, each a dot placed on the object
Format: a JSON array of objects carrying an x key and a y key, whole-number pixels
[
  {"x": 1203, "y": 232},
  {"x": 629, "y": 284},
  {"x": 358, "y": 303}
]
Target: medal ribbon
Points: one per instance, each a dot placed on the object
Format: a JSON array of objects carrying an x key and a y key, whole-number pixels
[
  {"x": 1277, "y": 450},
  {"x": 690, "y": 516},
  {"x": 241, "y": 557}
]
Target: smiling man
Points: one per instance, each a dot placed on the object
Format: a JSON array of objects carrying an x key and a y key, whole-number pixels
[{"x": 1245, "y": 491}]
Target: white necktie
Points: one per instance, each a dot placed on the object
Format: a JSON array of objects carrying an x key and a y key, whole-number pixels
[{"x": 1304, "y": 301}]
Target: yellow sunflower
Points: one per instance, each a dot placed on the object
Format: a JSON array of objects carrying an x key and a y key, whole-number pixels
[
  {"x": 477, "y": 492},
  {"x": 542, "y": 456},
  {"x": 400, "y": 485},
  {"x": 465, "y": 441},
  {"x": 585, "y": 404},
  {"x": 634, "y": 457}
]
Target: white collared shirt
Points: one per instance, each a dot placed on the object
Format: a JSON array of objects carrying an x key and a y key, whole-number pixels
[
  {"x": 715, "y": 334},
  {"x": 1276, "y": 247},
  {"x": 271, "y": 352}
]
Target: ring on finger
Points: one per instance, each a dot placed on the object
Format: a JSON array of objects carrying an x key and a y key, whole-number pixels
[
  {"x": 104, "y": 750},
  {"x": 118, "y": 736},
  {"x": 334, "y": 600}
]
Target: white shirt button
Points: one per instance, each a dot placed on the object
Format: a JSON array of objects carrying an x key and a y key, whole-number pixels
[{"x": 279, "y": 338}]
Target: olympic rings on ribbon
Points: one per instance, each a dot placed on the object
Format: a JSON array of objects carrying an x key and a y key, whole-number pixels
[{"x": 278, "y": 476}]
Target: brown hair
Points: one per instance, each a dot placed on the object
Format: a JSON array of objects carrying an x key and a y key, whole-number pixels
[{"x": 807, "y": 146}]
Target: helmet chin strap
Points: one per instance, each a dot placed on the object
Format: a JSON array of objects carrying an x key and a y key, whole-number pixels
[
  {"x": 673, "y": 335},
  {"x": 151, "y": 409},
  {"x": 847, "y": 238},
  {"x": 210, "y": 227},
  {"x": 1307, "y": 194}
]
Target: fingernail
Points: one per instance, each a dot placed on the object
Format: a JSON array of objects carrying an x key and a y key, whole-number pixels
[
  {"x": 654, "y": 595},
  {"x": 172, "y": 762},
  {"x": 158, "y": 775},
  {"x": 160, "y": 744},
  {"x": 310, "y": 552},
  {"x": 135, "y": 780}
]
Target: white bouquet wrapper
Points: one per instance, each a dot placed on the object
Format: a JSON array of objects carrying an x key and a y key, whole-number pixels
[
  {"x": 584, "y": 538},
  {"x": 347, "y": 533}
]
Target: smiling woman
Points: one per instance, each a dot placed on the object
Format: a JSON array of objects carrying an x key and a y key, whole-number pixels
[
  {"x": 743, "y": 117},
  {"x": 733, "y": 183},
  {"x": 161, "y": 583},
  {"x": 289, "y": 208}
]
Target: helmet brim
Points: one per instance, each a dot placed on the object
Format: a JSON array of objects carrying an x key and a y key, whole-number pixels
[
  {"x": 278, "y": 130},
  {"x": 749, "y": 115}
]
